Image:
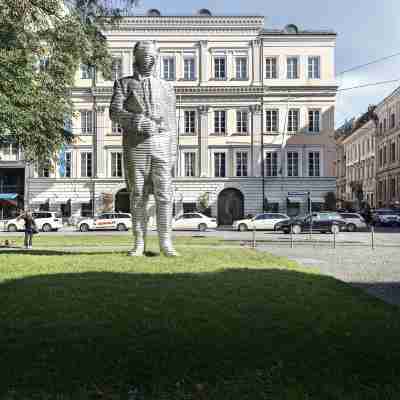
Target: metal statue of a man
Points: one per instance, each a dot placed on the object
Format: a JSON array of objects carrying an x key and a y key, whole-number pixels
[{"x": 144, "y": 106}]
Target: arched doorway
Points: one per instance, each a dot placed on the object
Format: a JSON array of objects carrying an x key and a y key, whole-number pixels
[
  {"x": 230, "y": 206},
  {"x": 122, "y": 201}
]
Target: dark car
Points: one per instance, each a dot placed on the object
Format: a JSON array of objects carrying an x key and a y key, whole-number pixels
[
  {"x": 386, "y": 217},
  {"x": 323, "y": 222}
]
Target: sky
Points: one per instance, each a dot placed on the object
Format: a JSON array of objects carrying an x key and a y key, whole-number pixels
[{"x": 367, "y": 30}]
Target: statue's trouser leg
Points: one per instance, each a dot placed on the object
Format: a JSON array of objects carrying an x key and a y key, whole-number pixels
[
  {"x": 138, "y": 161},
  {"x": 162, "y": 183}
]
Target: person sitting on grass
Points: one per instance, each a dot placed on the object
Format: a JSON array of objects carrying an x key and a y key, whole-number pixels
[{"x": 30, "y": 226}]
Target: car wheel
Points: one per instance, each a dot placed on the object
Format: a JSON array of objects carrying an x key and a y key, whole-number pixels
[
  {"x": 46, "y": 228},
  {"x": 296, "y": 229},
  {"x": 351, "y": 227},
  {"x": 84, "y": 228},
  {"x": 202, "y": 227},
  {"x": 243, "y": 228},
  {"x": 121, "y": 227},
  {"x": 12, "y": 228},
  {"x": 335, "y": 229}
]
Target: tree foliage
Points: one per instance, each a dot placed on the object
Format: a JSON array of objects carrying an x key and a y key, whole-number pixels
[{"x": 42, "y": 43}]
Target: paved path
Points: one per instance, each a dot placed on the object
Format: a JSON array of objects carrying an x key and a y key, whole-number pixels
[{"x": 376, "y": 271}]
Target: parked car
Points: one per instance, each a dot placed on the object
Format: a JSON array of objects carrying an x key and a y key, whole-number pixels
[
  {"x": 106, "y": 221},
  {"x": 323, "y": 222},
  {"x": 46, "y": 221},
  {"x": 194, "y": 220},
  {"x": 386, "y": 217},
  {"x": 354, "y": 221},
  {"x": 264, "y": 221}
]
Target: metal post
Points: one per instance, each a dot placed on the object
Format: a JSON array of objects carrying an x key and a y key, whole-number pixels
[
  {"x": 372, "y": 237},
  {"x": 254, "y": 237},
  {"x": 334, "y": 239}
]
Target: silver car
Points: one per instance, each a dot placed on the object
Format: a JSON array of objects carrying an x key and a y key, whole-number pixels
[{"x": 354, "y": 221}]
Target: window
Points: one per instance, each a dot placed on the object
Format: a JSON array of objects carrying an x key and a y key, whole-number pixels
[
  {"x": 116, "y": 69},
  {"x": 384, "y": 125},
  {"x": 271, "y": 70},
  {"x": 293, "y": 120},
  {"x": 168, "y": 70},
  {"x": 241, "y": 121},
  {"x": 313, "y": 121},
  {"x": 392, "y": 187},
  {"x": 86, "y": 72},
  {"x": 68, "y": 165},
  {"x": 293, "y": 163},
  {"x": 271, "y": 163},
  {"x": 392, "y": 121},
  {"x": 314, "y": 68},
  {"x": 241, "y": 68},
  {"x": 86, "y": 122},
  {"x": 116, "y": 165},
  {"x": 241, "y": 163},
  {"x": 190, "y": 164},
  {"x": 384, "y": 155},
  {"x": 44, "y": 170},
  {"x": 220, "y": 122},
  {"x": 86, "y": 165},
  {"x": 189, "y": 69},
  {"x": 380, "y": 158},
  {"x": 116, "y": 128},
  {"x": 292, "y": 68},
  {"x": 272, "y": 120},
  {"x": 190, "y": 121},
  {"x": 313, "y": 163},
  {"x": 219, "y": 68},
  {"x": 219, "y": 165},
  {"x": 393, "y": 152}
]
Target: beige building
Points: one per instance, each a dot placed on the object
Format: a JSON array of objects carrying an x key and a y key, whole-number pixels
[
  {"x": 255, "y": 111},
  {"x": 388, "y": 151}
]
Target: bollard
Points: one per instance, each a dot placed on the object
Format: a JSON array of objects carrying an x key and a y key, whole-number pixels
[
  {"x": 372, "y": 237},
  {"x": 334, "y": 239},
  {"x": 254, "y": 237},
  {"x": 291, "y": 236}
]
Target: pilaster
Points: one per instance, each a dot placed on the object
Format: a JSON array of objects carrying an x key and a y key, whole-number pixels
[
  {"x": 203, "y": 62},
  {"x": 99, "y": 167},
  {"x": 256, "y": 53},
  {"x": 256, "y": 133},
  {"x": 203, "y": 141}
]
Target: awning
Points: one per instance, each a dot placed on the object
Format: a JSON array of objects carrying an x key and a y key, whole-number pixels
[{"x": 8, "y": 196}]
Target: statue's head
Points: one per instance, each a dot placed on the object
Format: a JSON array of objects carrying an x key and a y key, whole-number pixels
[{"x": 145, "y": 53}]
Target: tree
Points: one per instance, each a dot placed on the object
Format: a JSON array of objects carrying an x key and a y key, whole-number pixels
[{"x": 42, "y": 43}]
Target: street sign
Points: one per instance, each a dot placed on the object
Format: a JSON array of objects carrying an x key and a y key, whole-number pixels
[{"x": 297, "y": 194}]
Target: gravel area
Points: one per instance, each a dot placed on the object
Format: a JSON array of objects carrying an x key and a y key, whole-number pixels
[{"x": 376, "y": 271}]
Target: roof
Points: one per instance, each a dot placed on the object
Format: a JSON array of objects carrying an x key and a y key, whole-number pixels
[{"x": 306, "y": 32}]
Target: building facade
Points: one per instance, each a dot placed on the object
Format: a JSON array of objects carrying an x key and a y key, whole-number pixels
[
  {"x": 255, "y": 117},
  {"x": 388, "y": 151}
]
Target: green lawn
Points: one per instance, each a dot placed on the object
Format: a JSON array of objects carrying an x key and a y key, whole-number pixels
[{"x": 217, "y": 323}]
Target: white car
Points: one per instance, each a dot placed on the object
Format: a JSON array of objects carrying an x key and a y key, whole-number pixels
[
  {"x": 265, "y": 221},
  {"x": 105, "y": 221},
  {"x": 354, "y": 221},
  {"x": 46, "y": 221},
  {"x": 194, "y": 220}
]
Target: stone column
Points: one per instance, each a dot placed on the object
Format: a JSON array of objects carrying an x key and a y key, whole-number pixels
[
  {"x": 203, "y": 141},
  {"x": 256, "y": 52},
  {"x": 256, "y": 133},
  {"x": 99, "y": 170},
  {"x": 203, "y": 62}
]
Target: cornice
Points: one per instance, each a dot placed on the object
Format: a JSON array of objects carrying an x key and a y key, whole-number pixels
[{"x": 275, "y": 91}]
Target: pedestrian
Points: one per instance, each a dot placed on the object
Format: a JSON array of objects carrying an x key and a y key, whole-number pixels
[{"x": 30, "y": 227}]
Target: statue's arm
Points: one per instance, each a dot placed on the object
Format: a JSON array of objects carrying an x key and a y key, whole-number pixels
[{"x": 117, "y": 111}]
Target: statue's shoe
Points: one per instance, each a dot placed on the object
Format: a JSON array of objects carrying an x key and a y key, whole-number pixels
[
  {"x": 136, "y": 252},
  {"x": 169, "y": 252}
]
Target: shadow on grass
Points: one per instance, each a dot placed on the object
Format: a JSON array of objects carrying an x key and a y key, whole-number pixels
[
  {"x": 233, "y": 334},
  {"x": 72, "y": 252}
]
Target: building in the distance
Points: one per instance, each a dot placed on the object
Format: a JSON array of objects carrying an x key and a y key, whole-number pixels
[
  {"x": 255, "y": 111},
  {"x": 368, "y": 156}
]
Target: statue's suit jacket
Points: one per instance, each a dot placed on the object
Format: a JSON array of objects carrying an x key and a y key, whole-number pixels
[{"x": 129, "y": 100}]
